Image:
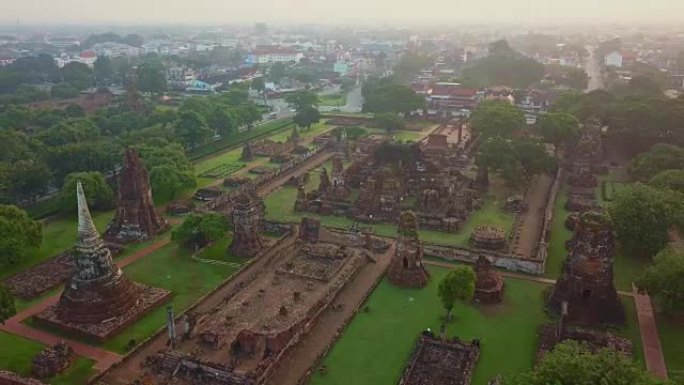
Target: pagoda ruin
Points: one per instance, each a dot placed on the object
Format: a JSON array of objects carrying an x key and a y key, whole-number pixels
[
  {"x": 489, "y": 285},
  {"x": 99, "y": 299},
  {"x": 585, "y": 294},
  {"x": 136, "y": 218},
  {"x": 246, "y": 217},
  {"x": 406, "y": 269}
]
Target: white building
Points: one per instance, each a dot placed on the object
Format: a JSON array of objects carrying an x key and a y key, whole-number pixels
[
  {"x": 613, "y": 59},
  {"x": 265, "y": 55}
]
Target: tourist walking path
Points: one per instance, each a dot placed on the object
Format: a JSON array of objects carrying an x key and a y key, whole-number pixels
[
  {"x": 528, "y": 226},
  {"x": 653, "y": 351},
  {"x": 103, "y": 358}
]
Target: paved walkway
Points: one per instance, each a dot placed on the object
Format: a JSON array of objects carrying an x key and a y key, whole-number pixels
[
  {"x": 528, "y": 227},
  {"x": 104, "y": 359},
  {"x": 653, "y": 352}
]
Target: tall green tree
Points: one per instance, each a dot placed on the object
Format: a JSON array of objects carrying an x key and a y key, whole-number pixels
[
  {"x": 151, "y": 78},
  {"x": 200, "y": 230},
  {"x": 670, "y": 179},
  {"x": 643, "y": 215},
  {"x": 18, "y": 234},
  {"x": 664, "y": 280},
  {"x": 497, "y": 119},
  {"x": 573, "y": 364},
  {"x": 78, "y": 75},
  {"x": 300, "y": 100},
  {"x": 558, "y": 128},
  {"x": 7, "y": 305},
  {"x": 192, "y": 129},
  {"x": 97, "y": 192},
  {"x": 457, "y": 285},
  {"x": 659, "y": 158},
  {"x": 170, "y": 170},
  {"x": 104, "y": 72},
  {"x": 28, "y": 179},
  {"x": 306, "y": 117}
]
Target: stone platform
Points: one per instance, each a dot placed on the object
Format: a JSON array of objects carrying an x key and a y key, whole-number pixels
[
  {"x": 441, "y": 362},
  {"x": 147, "y": 299},
  {"x": 11, "y": 378}
]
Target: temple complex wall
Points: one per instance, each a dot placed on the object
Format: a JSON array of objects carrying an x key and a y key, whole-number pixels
[
  {"x": 547, "y": 219},
  {"x": 504, "y": 261},
  {"x": 11, "y": 378}
]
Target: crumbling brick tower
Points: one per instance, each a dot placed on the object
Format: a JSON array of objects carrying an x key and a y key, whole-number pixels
[
  {"x": 98, "y": 290},
  {"x": 585, "y": 288},
  {"x": 246, "y": 217},
  {"x": 136, "y": 218},
  {"x": 406, "y": 269}
]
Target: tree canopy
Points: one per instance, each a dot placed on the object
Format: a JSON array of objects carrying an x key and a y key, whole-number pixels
[
  {"x": 670, "y": 179},
  {"x": 643, "y": 215},
  {"x": 497, "y": 119},
  {"x": 97, "y": 192},
  {"x": 386, "y": 95},
  {"x": 660, "y": 157},
  {"x": 573, "y": 364},
  {"x": 664, "y": 279},
  {"x": 307, "y": 116},
  {"x": 558, "y": 128},
  {"x": 457, "y": 285},
  {"x": 18, "y": 234},
  {"x": 503, "y": 66},
  {"x": 200, "y": 230}
]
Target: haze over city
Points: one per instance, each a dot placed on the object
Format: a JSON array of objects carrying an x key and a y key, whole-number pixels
[{"x": 328, "y": 11}]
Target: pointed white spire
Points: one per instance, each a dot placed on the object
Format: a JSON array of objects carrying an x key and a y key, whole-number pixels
[{"x": 86, "y": 227}]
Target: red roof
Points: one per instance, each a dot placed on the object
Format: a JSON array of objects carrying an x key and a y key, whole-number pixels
[
  {"x": 628, "y": 55},
  {"x": 453, "y": 90},
  {"x": 88, "y": 54}
]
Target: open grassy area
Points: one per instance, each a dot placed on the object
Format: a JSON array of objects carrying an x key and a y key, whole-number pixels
[
  {"x": 170, "y": 268},
  {"x": 377, "y": 343},
  {"x": 17, "y": 352},
  {"x": 559, "y": 235},
  {"x": 671, "y": 332},
  {"x": 58, "y": 235},
  {"x": 335, "y": 100}
]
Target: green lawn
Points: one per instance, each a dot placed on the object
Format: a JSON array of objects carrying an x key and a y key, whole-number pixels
[
  {"x": 671, "y": 329},
  {"x": 377, "y": 343},
  {"x": 170, "y": 268},
  {"x": 17, "y": 352},
  {"x": 335, "y": 100},
  {"x": 219, "y": 252},
  {"x": 559, "y": 235},
  {"x": 58, "y": 235}
]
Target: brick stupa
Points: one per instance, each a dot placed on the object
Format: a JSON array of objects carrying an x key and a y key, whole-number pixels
[
  {"x": 99, "y": 300},
  {"x": 136, "y": 219},
  {"x": 246, "y": 217},
  {"x": 585, "y": 293},
  {"x": 406, "y": 269}
]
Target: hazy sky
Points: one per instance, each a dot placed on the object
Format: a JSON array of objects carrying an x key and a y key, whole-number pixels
[{"x": 249, "y": 11}]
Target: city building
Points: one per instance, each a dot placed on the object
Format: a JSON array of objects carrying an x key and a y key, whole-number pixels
[{"x": 273, "y": 54}]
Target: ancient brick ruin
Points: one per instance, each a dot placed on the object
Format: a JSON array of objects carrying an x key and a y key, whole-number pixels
[
  {"x": 551, "y": 334},
  {"x": 136, "y": 219},
  {"x": 488, "y": 238},
  {"x": 489, "y": 286},
  {"x": 245, "y": 335},
  {"x": 246, "y": 217},
  {"x": 441, "y": 362},
  {"x": 309, "y": 229},
  {"x": 11, "y": 378},
  {"x": 247, "y": 153},
  {"x": 387, "y": 179},
  {"x": 585, "y": 293},
  {"x": 99, "y": 299},
  {"x": 583, "y": 163},
  {"x": 52, "y": 360},
  {"x": 406, "y": 269}
]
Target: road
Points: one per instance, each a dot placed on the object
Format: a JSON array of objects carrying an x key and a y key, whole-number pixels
[{"x": 591, "y": 66}]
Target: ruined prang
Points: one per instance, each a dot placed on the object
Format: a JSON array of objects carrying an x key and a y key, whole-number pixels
[
  {"x": 406, "y": 269},
  {"x": 246, "y": 218},
  {"x": 247, "y": 154},
  {"x": 136, "y": 219},
  {"x": 324, "y": 182},
  {"x": 489, "y": 286},
  {"x": 52, "y": 360},
  {"x": 98, "y": 300},
  {"x": 585, "y": 292}
]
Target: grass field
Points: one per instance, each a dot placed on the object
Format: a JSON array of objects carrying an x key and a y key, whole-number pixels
[
  {"x": 170, "y": 268},
  {"x": 58, "y": 235},
  {"x": 335, "y": 100},
  {"x": 671, "y": 332},
  {"x": 377, "y": 343},
  {"x": 16, "y": 354}
]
